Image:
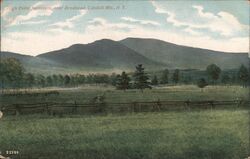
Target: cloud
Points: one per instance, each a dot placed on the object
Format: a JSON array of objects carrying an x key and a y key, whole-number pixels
[
  {"x": 34, "y": 22},
  {"x": 192, "y": 32},
  {"x": 5, "y": 11},
  {"x": 38, "y": 9},
  {"x": 99, "y": 28},
  {"x": 101, "y": 23},
  {"x": 222, "y": 23},
  {"x": 143, "y": 22},
  {"x": 69, "y": 23}
]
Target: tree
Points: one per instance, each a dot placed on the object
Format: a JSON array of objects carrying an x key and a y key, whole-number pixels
[
  {"x": 49, "y": 81},
  {"x": 123, "y": 81},
  {"x": 40, "y": 80},
  {"x": 55, "y": 80},
  {"x": 154, "y": 81},
  {"x": 113, "y": 79},
  {"x": 66, "y": 80},
  {"x": 214, "y": 72},
  {"x": 141, "y": 78},
  {"x": 176, "y": 76},
  {"x": 225, "y": 79},
  {"x": 11, "y": 72},
  {"x": 164, "y": 78},
  {"x": 202, "y": 83},
  {"x": 29, "y": 79},
  {"x": 243, "y": 75}
]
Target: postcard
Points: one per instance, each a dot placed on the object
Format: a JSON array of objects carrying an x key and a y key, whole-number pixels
[{"x": 123, "y": 79}]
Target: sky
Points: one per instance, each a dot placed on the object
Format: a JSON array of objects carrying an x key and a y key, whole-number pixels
[{"x": 34, "y": 27}]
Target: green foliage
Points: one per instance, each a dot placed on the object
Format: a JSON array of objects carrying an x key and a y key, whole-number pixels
[
  {"x": 176, "y": 76},
  {"x": 155, "y": 81},
  {"x": 141, "y": 78},
  {"x": 202, "y": 83},
  {"x": 29, "y": 79},
  {"x": 49, "y": 81},
  {"x": 123, "y": 81},
  {"x": 66, "y": 80},
  {"x": 225, "y": 79},
  {"x": 164, "y": 77},
  {"x": 243, "y": 75},
  {"x": 213, "y": 71},
  {"x": 11, "y": 72}
]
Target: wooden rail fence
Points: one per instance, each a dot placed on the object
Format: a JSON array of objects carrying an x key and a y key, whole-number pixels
[{"x": 54, "y": 108}]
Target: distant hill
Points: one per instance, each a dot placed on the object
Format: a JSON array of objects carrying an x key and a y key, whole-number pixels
[
  {"x": 106, "y": 56},
  {"x": 177, "y": 56},
  {"x": 104, "y": 53},
  {"x": 34, "y": 64}
]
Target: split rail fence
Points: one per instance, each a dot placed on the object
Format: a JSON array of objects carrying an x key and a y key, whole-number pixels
[{"x": 53, "y": 108}]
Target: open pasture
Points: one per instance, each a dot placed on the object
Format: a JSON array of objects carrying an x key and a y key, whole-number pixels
[{"x": 210, "y": 134}]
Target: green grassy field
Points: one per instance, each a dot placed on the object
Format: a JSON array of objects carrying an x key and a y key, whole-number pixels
[
  {"x": 182, "y": 92},
  {"x": 184, "y": 134},
  {"x": 211, "y": 134}
]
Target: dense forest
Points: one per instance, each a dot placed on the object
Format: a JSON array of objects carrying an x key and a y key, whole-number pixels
[{"x": 13, "y": 75}]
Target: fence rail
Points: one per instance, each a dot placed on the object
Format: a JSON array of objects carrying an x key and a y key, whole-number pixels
[{"x": 53, "y": 108}]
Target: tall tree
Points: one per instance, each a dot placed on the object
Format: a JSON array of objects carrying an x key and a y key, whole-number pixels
[
  {"x": 202, "y": 83},
  {"x": 154, "y": 81},
  {"x": 66, "y": 80},
  {"x": 164, "y": 77},
  {"x": 214, "y": 72},
  {"x": 123, "y": 81},
  {"x": 55, "y": 80},
  {"x": 176, "y": 76},
  {"x": 40, "y": 80},
  {"x": 141, "y": 78},
  {"x": 12, "y": 72},
  {"x": 225, "y": 79},
  {"x": 29, "y": 79},
  {"x": 49, "y": 81},
  {"x": 243, "y": 75}
]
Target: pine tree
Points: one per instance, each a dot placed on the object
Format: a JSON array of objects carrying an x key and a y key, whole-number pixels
[
  {"x": 176, "y": 76},
  {"x": 214, "y": 72},
  {"x": 164, "y": 78},
  {"x": 141, "y": 78},
  {"x": 154, "y": 81},
  {"x": 243, "y": 75},
  {"x": 123, "y": 81}
]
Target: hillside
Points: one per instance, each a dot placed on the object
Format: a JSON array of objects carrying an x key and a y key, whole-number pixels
[
  {"x": 104, "y": 53},
  {"x": 177, "y": 56},
  {"x": 107, "y": 56}
]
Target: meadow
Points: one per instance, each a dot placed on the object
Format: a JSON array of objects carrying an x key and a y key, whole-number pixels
[
  {"x": 184, "y": 134},
  {"x": 207, "y": 134}
]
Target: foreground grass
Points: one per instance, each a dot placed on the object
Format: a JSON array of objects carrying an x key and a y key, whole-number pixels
[{"x": 217, "y": 134}]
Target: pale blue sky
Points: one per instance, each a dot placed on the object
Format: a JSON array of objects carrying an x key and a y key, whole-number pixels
[{"x": 34, "y": 27}]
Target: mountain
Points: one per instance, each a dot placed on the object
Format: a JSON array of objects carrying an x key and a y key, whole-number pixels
[
  {"x": 104, "y": 53},
  {"x": 34, "y": 64},
  {"x": 177, "y": 56},
  {"x": 106, "y": 56}
]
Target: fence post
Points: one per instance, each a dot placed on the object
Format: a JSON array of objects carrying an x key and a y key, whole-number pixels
[
  {"x": 17, "y": 108},
  {"x": 46, "y": 108},
  {"x": 187, "y": 103},
  {"x": 158, "y": 104},
  {"x": 134, "y": 106},
  {"x": 75, "y": 108}
]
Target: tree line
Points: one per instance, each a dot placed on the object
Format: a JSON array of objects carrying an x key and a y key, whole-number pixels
[{"x": 13, "y": 75}]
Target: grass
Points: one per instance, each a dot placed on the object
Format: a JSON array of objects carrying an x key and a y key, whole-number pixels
[
  {"x": 211, "y": 134},
  {"x": 185, "y": 92}
]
